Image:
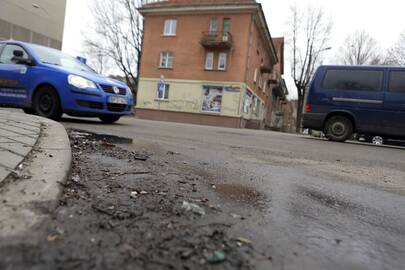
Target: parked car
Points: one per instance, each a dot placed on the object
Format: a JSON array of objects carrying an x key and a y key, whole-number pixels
[
  {"x": 48, "y": 83},
  {"x": 368, "y": 100}
]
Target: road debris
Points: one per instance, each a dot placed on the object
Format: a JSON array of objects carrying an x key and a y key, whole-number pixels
[
  {"x": 192, "y": 207},
  {"x": 216, "y": 257}
]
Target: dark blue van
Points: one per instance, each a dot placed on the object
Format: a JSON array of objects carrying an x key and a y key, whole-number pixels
[
  {"x": 48, "y": 83},
  {"x": 367, "y": 100}
]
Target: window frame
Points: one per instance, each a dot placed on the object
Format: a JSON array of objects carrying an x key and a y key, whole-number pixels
[
  {"x": 212, "y": 30},
  {"x": 380, "y": 89},
  {"x": 212, "y": 61},
  {"x": 169, "y": 57},
  {"x": 389, "y": 81},
  {"x": 225, "y": 61},
  {"x": 165, "y": 94},
  {"x": 229, "y": 24},
  {"x": 170, "y": 25}
]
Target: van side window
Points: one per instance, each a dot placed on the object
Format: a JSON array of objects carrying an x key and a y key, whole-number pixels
[
  {"x": 355, "y": 80},
  {"x": 397, "y": 81}
]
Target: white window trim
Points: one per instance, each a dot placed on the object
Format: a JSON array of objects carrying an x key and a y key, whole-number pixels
[
  {"x": 167, "y": 88},
  {"x": 225, "y": 56},
  {"x": 211, "y": 67},
  {"x": 255, "y": 76},
  {"x": 169, "y": 56},
  {"x": 170, "y": 28}
]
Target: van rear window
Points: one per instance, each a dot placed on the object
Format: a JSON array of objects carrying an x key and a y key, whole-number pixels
[{"x": 356, "y": 80}]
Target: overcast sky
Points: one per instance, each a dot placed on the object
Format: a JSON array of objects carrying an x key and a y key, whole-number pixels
[{"x": 382, "y": 19}]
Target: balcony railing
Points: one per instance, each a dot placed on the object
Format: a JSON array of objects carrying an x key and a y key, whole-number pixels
[{"x": 214, "y": 40}]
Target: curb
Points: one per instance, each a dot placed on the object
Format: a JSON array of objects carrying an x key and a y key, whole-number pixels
[{"x": 33, "y": 195}]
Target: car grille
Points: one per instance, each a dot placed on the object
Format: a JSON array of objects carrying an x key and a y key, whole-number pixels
[
  {"x": 90, "y": 104},
  {"x": 110, "y": 89},
  {"x": 116, "y": 107}
]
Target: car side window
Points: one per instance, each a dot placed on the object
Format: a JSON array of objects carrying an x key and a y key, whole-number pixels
[
  {"x": 7, "y": 56},
  {"x": 355, "y": 80},
  {"x": 397, "y": 81}
]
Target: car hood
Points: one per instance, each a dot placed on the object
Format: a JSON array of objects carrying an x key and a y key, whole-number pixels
[{"x": 95, "y": 77}]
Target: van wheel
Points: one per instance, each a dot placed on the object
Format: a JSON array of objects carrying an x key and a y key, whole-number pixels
[
  {"x": 109, "y": 119},
  {"x": 338, "y": 128},
  {"x": 46, "y": 103}
]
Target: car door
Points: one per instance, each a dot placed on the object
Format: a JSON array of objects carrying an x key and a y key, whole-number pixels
[
  {"x": 394, "y": 105},
  {"x": 13, "y": 77}
]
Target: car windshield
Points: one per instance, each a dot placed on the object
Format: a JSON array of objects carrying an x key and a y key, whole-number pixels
[{"x": 57, "y": 58}]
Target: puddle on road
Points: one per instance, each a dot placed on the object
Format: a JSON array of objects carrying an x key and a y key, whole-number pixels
[{"x": 241, "y": 194}]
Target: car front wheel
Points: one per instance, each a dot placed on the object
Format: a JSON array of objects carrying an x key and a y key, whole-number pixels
[
  {"x": 46, "y": 103},
  {"x": 338, "y": 128},
  {"x": 110, "y": 119}
]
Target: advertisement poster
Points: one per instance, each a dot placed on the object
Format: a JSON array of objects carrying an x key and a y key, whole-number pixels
[{"x": 212, "y": 99}]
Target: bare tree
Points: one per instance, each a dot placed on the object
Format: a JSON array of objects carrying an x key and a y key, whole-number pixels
[
  {"x": 117, "y": 34},
  {"x": 98, "y": 60},
  {"x": 396, "y": 54},
  {"x": 309, "y": 36},
  {"x": 360, "y": 48}
]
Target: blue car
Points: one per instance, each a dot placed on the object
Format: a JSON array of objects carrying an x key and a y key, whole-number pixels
[
  {"x": 48, "y": 83},
  {"x": 367, "y": 100}
]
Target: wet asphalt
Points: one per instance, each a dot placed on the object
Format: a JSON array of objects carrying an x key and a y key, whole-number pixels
[{"x": 306, "y": 202}]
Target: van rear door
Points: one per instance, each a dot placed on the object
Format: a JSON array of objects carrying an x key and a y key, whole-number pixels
[
  {"x": 358, "y": 91},
  {"x": 394, "y": 120}
]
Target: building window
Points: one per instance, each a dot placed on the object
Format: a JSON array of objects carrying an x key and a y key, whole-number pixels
[
  {"x": 209, "y": 61},
  {"x": 260, "y": 83},
  {"x": 214, "y": 25},
  {"x": 222, "y": 61},
  {"x": 170, "y": 28},
  {"x": 163, "y": 91},
  {"x": 226, "y": 26},
  {"x": 166, "y": 60}
]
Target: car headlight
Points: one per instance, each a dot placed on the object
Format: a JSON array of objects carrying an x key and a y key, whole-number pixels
[{"x": 80, "y": 82}]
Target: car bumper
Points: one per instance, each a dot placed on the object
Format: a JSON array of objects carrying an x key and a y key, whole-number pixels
[
  {"x": 96, "y": 104},
  {"x": 313, "y": 120}
]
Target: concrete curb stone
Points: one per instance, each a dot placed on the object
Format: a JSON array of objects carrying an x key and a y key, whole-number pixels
[{"x": 36, "y": 161}]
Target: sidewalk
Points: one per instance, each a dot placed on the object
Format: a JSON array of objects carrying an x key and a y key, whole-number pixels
[
  {"x": 35, "y": 159},
  {"x": 18, "y": 134}
]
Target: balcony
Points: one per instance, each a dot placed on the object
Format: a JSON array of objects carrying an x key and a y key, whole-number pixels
[{"x": 217, "y": 40}]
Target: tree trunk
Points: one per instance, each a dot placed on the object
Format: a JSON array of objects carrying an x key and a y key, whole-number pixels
[{"x": 300, "y": 110}]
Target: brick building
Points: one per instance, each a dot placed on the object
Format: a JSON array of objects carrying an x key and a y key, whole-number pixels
[{"x": 209, "y": 62}]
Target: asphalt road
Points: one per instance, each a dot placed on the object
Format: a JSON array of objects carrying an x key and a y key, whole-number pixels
[{"x": 311, "y": 203}]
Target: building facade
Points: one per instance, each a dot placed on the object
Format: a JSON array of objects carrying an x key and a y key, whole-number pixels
[
  {"x": 207, "y": 62},
  {"x": 40, "y": 21}
]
